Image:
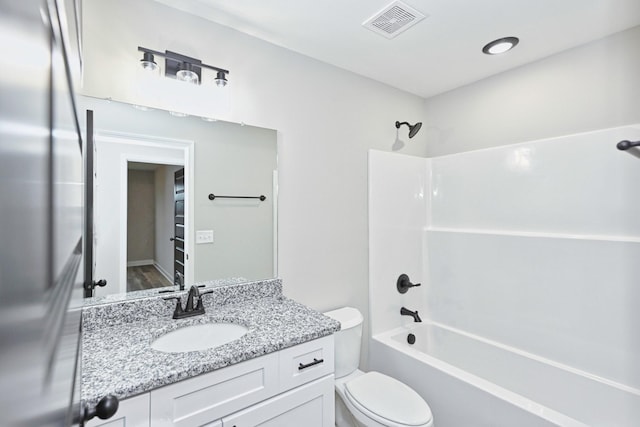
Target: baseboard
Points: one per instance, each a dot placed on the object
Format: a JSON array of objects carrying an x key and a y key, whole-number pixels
[
  {"x": 163, "y": 272},
  {"x": 140, "y": 263}
]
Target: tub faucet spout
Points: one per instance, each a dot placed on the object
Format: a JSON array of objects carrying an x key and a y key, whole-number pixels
[{"x": 414, "y": 314}]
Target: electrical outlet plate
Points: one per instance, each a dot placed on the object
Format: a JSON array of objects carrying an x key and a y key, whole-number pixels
[{"x": 204, "y": 236}]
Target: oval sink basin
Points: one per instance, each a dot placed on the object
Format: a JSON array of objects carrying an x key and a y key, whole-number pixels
[{"x": 198, "y": 337}]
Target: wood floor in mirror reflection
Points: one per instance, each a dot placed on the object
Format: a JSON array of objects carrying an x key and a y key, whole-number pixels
[{"x": 145, "y": 277}]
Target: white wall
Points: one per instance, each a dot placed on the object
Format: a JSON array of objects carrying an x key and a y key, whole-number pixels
[
  {"x": 141, "y": 218},
  {"x": 591, "y": 87},
  {"x": 326, "y": 119},
  {"x": 164, "y": 180}
]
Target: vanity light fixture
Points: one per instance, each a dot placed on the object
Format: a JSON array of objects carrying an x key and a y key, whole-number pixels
[
  {"x": 499, "y": 46},
  {"x": 181, "y": 67}
]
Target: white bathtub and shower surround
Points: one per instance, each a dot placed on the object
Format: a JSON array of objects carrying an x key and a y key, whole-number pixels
[{"x": 525, "y": 250}]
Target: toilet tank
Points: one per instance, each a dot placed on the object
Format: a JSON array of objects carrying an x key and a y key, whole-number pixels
[{"x": 347, "y": 339}]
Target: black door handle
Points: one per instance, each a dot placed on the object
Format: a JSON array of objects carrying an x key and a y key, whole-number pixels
[
  {"x": 105, "y": 409},
  {"x": 90, "y": 286},
  {"x": 171, "y": 239}
]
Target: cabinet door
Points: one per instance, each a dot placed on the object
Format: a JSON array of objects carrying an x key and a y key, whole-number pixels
[
  {"x": 132, "y": 412},
  {"x": 311, "y": 405},
  {"x": 200, "y": 400}
]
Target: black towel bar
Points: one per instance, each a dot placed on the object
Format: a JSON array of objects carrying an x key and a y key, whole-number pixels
[{"x": 213, "y": 197}]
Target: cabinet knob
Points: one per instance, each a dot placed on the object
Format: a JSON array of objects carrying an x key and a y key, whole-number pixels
[{"x": 105, "y": 409}]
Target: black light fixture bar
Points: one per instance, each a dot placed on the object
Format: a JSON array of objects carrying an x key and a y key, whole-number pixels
[{"x": 173, "y": 62}]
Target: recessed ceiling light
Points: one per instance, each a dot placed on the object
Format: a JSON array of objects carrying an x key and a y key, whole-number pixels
[{"x": 499, "y": 46}]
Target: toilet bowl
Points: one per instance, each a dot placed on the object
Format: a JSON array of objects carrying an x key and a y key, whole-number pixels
[{"x": 370, "y": 399}]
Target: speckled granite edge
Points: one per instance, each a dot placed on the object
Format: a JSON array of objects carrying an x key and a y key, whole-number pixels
[
  {"x": 119, "y": 359},
  {"x": 136, "y": 310},
  {"x": 122, "y": 297}
]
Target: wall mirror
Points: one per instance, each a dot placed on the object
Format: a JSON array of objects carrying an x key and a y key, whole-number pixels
[{"x": 179, "y": 198}]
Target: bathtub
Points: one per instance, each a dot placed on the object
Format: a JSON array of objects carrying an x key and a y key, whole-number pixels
[{"x": 470, "y": 381}]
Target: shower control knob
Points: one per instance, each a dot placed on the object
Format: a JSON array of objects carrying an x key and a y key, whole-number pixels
[{"x": 404, "y": 284}]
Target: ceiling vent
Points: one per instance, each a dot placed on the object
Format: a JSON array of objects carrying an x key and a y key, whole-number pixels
[{"x": 393, "y": 19}]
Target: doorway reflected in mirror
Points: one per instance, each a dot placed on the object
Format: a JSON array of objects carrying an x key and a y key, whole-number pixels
[{"x": 155, "y": 209}]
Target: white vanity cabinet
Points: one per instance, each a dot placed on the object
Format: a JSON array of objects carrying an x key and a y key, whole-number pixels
[{"x": 292, "y": 387}]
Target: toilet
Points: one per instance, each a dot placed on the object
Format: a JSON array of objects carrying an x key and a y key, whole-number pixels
[{"x": 370, "y": 399}]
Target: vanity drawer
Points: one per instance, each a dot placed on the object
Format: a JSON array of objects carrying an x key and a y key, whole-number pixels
[
  {"x": 306, "y": 362},
  {"x": 202, "y": 399},
  {"x": 311, "y": 405}
]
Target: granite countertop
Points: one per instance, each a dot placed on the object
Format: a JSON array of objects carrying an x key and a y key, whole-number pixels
[{"x": 116, "y": 354}]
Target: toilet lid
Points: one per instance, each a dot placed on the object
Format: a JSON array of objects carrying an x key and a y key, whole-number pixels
[{"x": 389, "y": 399}]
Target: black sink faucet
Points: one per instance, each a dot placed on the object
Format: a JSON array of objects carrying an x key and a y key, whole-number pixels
[
  {"x": 414, "y": 314},
  {"x": 190, "y": 308}
]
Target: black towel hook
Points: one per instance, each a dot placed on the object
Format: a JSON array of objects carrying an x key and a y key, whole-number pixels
[
  {"x": 625, "y": 145},
  {"x": 628, "y": 146}
]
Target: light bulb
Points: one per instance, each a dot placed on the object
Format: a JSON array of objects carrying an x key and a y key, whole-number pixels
[
  {"x": 148, "y": 64},
  {"x": 186, "y": 74},
  {"x": 221, "y": 79},
  {"x": 500, "y": 48}
]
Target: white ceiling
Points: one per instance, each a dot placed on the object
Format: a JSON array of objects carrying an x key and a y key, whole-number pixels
[{"x": 438, "y": 54}]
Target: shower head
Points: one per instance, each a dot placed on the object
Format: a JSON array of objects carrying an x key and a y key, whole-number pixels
[{"x": 413, "y": 129}]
